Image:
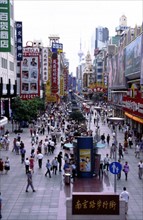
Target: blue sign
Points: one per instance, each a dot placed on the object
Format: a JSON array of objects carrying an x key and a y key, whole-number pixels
[
  {"x": 19, "y": 42},
  {"x": 115, "y": 167},
  {"x": 57, "y": 47}
]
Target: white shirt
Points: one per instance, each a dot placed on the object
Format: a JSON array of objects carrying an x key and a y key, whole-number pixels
[
  {"x": 125, "y": 195},
  {"x": 140, "y": 165},
  {"x": 40, "y": 156}
]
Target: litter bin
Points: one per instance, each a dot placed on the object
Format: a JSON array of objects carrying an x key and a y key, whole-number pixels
[{"x": 67, "y": 178}]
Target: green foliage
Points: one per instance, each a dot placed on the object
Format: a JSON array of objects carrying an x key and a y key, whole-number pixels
[
  {"x": 77, "y": 116},
  {"x": 27, "y": 110}
]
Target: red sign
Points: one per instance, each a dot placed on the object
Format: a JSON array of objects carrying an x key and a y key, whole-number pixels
[
  {"x": 54, "y": 74},
  {"x": 133, "y": 105}
]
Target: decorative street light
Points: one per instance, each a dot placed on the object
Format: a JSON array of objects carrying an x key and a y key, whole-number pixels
[{"x": 116, "y": 121}]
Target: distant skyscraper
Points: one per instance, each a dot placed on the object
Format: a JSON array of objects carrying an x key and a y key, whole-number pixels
[{"x": 101, "y": 37}]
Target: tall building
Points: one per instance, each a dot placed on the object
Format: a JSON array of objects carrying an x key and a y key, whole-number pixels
[
  {"x": 8, "y": 66},
  {"x": 101, "y": 37}
]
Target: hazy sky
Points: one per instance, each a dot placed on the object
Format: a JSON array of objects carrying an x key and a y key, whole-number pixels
[{"x": 74, "y": 20}]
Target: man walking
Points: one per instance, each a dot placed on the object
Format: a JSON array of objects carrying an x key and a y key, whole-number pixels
[
  {"x": 40, "y": 158},
  {"x": 125, "y": 195},
  {"x": 48, "y": 166},
  {"x": 29, "y": 181}
]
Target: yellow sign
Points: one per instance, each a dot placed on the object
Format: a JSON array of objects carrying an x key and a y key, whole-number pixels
[
  {"x": 51, "y": 98},
  {"x": 48, "y": 88},
  {"x": 61, "y": 86}
]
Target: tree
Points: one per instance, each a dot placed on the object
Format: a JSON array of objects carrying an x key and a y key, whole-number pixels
[
  {"x": 27, "y": 110},
  {"x": 77, "y": 116}
]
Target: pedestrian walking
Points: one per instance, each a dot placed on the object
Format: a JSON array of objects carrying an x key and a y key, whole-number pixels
[
  {"x": 106, "y": 162},
  {"x": 137, "y": 151},
  {"x": 40, "y": 158},
  {"x": 125, "y": 195},
  {"x": 1, "y": 165},
  {"x": 55, "y": 165},
  {"x": 31, "y": 165},
  {"x": 108, "y": 139},
  {"x": 59, "y": 158},
  {"x": 7, "y": 165},
  {"x": 27, "y": 163},
  {"x": 0, "y": 206},
  {"x": 22, "y": 152},
  {"x": 120, "y": 151},
  {"x": 48, "y": 166},
  {"x": 140, "y": 166},
  {"x": 29, "y": 181},
  {"x": 126, "y": 170}
]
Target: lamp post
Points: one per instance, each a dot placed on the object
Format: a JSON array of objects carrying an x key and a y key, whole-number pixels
[
  {"x": 115, "y": 120},
  {"x": 97, "y": 108}
]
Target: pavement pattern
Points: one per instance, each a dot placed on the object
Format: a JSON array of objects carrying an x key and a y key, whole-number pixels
[{"x": 48, "y": 202}]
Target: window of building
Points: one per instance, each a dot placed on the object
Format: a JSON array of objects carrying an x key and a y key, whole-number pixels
[
  {"x": 11, "y": 66},
  {"x": 3, "y": 63}
]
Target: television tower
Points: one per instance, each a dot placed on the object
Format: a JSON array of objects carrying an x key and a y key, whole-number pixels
[{"x": 80, "y": 53}]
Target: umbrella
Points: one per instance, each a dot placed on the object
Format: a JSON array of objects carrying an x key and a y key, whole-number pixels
[
  {"x": 100, "y": 145},
  {"x": 68, "y": 145}
]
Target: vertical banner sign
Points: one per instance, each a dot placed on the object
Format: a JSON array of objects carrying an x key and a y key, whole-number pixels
[
  {"x": 5, "y": 42},
  {"x": 45, "y": 64},
  {"x": 65, "y": 79},
  {"x": 61, "y": 86},
  {"x": 19, "y": 43},
  {"x": 54, "y": 74}
]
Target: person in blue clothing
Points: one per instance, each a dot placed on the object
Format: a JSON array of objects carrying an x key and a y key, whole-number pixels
[{"x": 0, "y": 205}]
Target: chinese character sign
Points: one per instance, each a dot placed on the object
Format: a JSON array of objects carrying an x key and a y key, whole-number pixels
[
  {"x": 5, "y": 43},
  {"x": 19, "y": 42},
  {"x": 45, "y": 63},
  {"x": 54, "y": 74},
  {"x": 95, "y": 204}
]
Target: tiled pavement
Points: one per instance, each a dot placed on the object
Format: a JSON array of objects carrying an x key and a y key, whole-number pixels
[{"x": 45, "y": 204}]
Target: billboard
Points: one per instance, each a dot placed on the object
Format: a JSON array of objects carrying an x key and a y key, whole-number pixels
[
  {"x": 19, "y": 43},
  {"x": 116, "y": 70},
  {"x": 5, "y": 37},
  {"x": 30, "y": 77},
  {"x": 133, "y": 57}
]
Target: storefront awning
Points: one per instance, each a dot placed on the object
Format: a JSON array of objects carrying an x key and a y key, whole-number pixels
[{"x": 135, "y": 118}]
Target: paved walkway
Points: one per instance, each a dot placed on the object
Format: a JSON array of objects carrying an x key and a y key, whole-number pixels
[{"x": 45, "y": 204}]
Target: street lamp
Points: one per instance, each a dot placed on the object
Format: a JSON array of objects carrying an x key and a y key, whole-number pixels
[
  {"x": 115, "y": 120},
  {"x": 97, "y": 108}
]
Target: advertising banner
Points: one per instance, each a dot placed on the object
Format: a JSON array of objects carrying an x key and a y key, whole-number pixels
[
  {"x": 141, "y": 77},
  {"x": 54, "y": 74},
  {"x": 133, "y": 57},
  {"x": 85, "y": 160},
  {"x": 19, "y": 43},
  {"x": 65, "y": 79},
  {"x": 5, "y": 37},
  {"x": 45, "y": 64},
  {"x": 30, "y": 76},
  {"x": 61, "y": 86}
]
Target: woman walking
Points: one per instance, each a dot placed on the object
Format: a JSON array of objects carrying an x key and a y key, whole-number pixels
[{"x": 126, "y": 170}]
